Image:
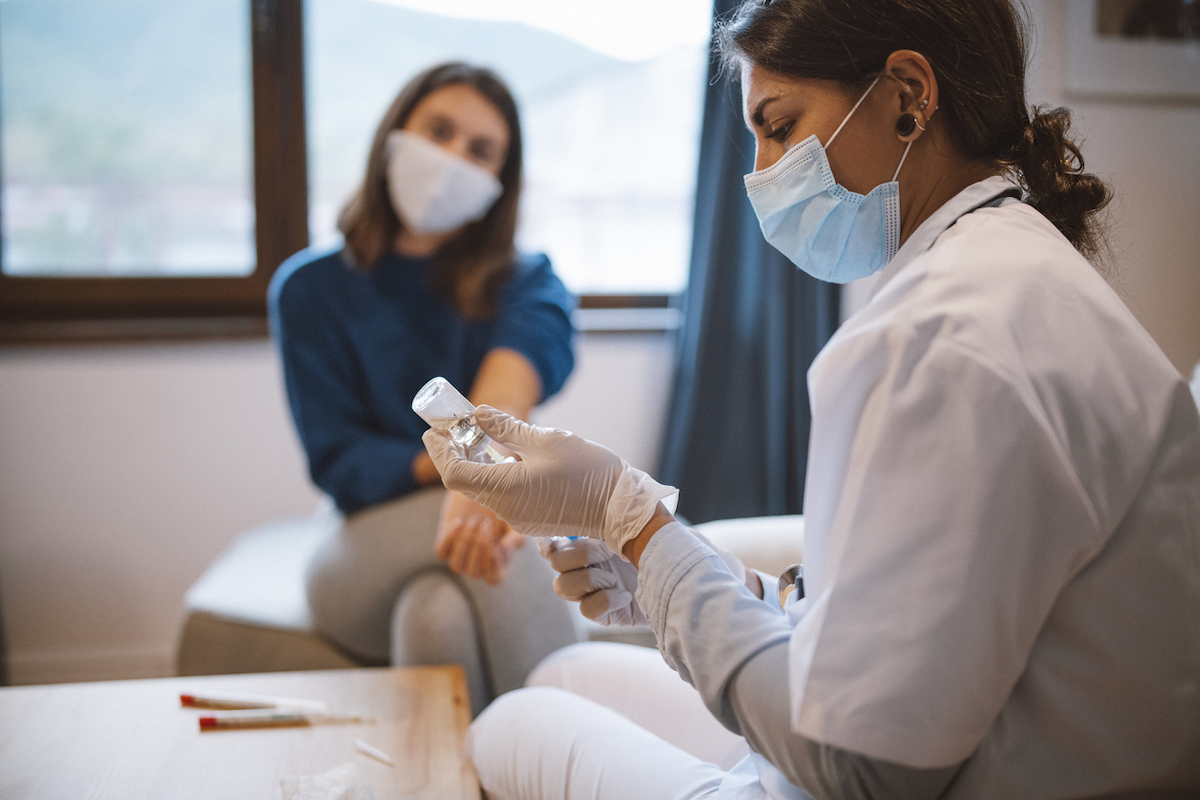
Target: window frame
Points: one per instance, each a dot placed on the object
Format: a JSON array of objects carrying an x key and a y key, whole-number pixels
[
  {"x": 70, "y": 308},
  {"x": 81, "y": 309}
]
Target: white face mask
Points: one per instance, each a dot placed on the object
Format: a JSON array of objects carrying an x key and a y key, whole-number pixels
[{"x": 433, "y": 190}]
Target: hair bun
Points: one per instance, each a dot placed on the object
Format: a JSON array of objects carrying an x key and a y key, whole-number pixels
[{"x": 1052, "y": 171}]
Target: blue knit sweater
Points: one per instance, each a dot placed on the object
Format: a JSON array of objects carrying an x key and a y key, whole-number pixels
[{"x": 356, "y": 348}]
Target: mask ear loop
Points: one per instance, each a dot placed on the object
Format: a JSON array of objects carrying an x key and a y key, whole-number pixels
[
  {"x": 901, "y": 164},
  {"x": 851, "y": 114}
]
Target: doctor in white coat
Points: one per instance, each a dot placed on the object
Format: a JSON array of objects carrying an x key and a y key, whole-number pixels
[{"x": 1002, "y": 558}]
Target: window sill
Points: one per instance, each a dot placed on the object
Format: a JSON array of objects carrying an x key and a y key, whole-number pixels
[
  {"x": 596, "y": 314},
  {"x": 628, "y": 313},
  {"x": 627, "y": 320},
  {"x": 110, "y": 331}
]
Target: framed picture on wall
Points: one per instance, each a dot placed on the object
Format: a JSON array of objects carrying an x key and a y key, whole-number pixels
[{"x": 1134, "y": 48}]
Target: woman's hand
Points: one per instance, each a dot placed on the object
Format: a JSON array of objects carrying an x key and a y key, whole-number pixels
[
  {"x": 473, "y": 541},
  {"x": 563, "y": 485}
]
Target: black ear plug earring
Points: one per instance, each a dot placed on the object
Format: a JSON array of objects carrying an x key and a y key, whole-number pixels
[{"x": 906, "y": 124}]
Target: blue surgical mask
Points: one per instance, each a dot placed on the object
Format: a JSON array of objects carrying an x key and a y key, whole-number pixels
[{"x": 824, "y": 228}]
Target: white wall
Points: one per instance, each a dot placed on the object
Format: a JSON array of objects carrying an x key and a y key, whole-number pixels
[
  {"x": 617, "y": 395},
  {"x": 125, "y": 470},
  {"x": 1151, "y": 154}
]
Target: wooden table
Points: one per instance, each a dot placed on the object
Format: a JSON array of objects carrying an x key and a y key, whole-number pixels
[{"x": 131, "y": 739}]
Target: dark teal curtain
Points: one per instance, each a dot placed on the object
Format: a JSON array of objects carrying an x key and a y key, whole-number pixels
[{"x": 737, "y": 429}]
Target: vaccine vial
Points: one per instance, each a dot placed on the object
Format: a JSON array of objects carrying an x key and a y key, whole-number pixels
[{"x": 444, "y": 408}]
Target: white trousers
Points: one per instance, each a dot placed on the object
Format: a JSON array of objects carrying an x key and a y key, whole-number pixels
[{"x": 603, "y": 721}]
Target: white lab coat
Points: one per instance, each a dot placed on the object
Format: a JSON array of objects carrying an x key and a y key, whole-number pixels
[
  {"x": 1003, "y": 523},
  {"x": 1002, "y": 559}
]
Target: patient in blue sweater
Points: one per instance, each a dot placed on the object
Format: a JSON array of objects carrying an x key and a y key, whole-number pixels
[{"x": 427, "y": 283}]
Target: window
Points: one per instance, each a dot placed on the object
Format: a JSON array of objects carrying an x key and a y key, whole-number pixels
[
  {"x": 126, "y": 139},
  {"x": 611, "y": 96},
  {"x": 135, "y": 185},
  {"x": 158, "y": 162}
]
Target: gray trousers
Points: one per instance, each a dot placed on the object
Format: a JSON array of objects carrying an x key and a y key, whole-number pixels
[{"x": 377, "y": 590}]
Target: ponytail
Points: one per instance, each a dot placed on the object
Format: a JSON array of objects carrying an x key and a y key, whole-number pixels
[{"x": 1049, "y": 166}]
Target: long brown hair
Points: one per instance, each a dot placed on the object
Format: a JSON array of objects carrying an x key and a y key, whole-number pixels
[
  {"x": 978, "y": 50},
  {"x": 471, "y": 268}
]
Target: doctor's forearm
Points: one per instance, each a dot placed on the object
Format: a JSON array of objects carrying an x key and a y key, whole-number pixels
[
  {"x": 758, "y": 698},
  {"x": 733, "y": 648},
  {"x": 634, "y": 548},
  {"x": 707, "y": 621}
]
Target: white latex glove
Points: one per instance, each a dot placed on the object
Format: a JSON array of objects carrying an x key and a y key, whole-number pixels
[
  {"x": 593, "y": 576},
  {"x": 563, "y": 485},
  {"x": 604, "y": 584}
]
